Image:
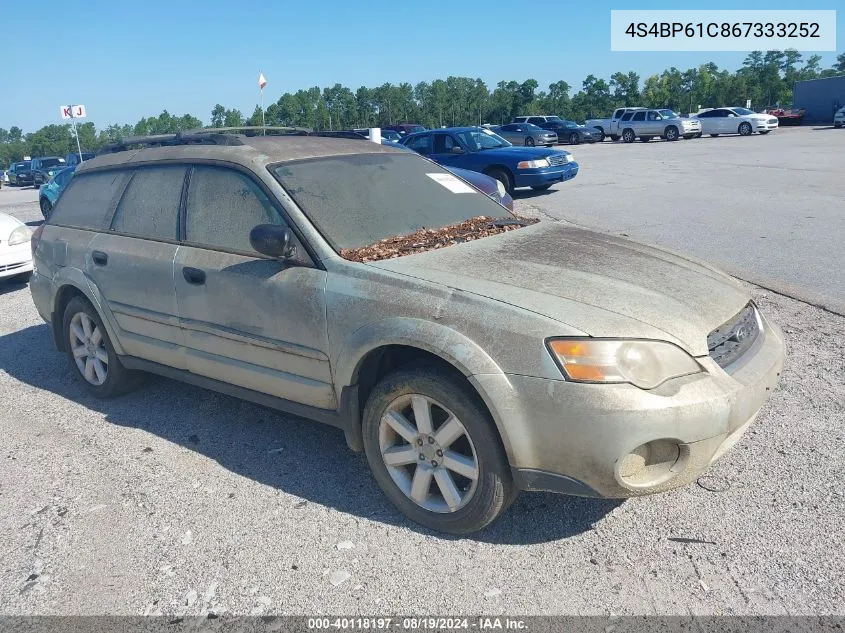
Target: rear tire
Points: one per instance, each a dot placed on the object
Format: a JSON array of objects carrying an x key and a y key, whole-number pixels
[
  {"x": 628, "y": 135},
  {"x": 503, "y": 177},
  {"x": 475, "y": 500},
  {"x": 90, "y": 352}
]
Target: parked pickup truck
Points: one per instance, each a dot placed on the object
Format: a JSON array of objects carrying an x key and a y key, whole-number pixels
[{"x": 609, "y": 127}]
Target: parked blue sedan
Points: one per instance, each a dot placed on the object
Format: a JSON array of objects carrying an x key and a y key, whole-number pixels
[
  {"x": 477, "y": 149},
  {"x": 50, "y": 191}
]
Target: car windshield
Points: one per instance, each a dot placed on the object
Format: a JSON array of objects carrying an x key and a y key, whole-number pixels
[
  {"x": 51, "y": 162},
  {"x": 478, "y": 140},
  {"x": 743, "y": 111},
  {"x": 569, "y": 125},
  {"x": 413, "y": 129},
  {"x": 23, "y": 165},
  {"x": 555, "y": 119},
  {"x": 531, "y": 127},
  {"x": 371, "y": 197},
  {"x": 669, "y": 114}
]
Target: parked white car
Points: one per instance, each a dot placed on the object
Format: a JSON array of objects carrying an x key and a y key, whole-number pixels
[
  {"x": 740, "y": 121},
  {"x": 839, "y": 118},
  {"x": 15, "y": 252}
]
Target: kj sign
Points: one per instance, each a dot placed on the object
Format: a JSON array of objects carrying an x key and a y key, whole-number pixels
[{"x": 73, "y": 111}]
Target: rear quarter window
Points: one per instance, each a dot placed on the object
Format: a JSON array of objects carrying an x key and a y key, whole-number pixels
[
  {"x": 88, "y": 200},
  {"x": 150, "y": 205}
]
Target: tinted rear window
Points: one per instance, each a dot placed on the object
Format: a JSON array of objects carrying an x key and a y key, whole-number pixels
[
  {"x": 87, "y": 201},
  {"x": 51, "y": 162}
]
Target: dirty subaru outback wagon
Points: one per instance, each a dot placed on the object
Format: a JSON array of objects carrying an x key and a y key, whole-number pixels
[{"x": 476, "y": 358}]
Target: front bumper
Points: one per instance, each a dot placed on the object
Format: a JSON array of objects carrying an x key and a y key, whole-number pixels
[
  {"x": 15, "y": 260},
  {"x": 579, "y": 438},
  {"x": 546, "y": 175},
  {"x": 765, "y": 125}
]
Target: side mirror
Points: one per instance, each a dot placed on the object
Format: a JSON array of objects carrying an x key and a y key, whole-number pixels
[
  {"x": 457, "y": 149},
  {"x": 273, "y": 240}
]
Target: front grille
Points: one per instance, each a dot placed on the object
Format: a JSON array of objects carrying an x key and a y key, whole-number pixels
[
  {"x": 558, "y": 159},
  {"x": 728, "y": 342},
  {"x": 773, "y": 120}
]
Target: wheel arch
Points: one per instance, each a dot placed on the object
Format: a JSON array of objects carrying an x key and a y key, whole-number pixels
[
  {"x": 70, "y": 283},
  {"x": 378, "y": 349}
]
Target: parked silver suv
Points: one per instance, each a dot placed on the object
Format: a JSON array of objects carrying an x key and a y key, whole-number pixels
[
  {"x": 648, "y": 124},
  {"x": 469, "y": 355}
]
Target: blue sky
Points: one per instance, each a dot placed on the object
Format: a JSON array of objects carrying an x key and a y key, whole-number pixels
[{"x": 128, "y": 60}]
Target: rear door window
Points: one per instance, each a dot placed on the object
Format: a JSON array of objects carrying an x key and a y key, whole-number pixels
[
  {"x": 150, "y": 206},
  {"x": 627, "y": 116},
  {"x": 89, "y": 199},
  {"x": 419, "y": 143},
  {"x": 639, "y": 116}
]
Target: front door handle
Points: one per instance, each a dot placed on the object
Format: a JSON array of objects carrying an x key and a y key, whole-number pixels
[
  {"x": 100, "y": 258},
  {"x": 193, "y": 275}
]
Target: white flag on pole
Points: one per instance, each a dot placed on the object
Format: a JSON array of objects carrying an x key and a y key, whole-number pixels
[{"x": 261, "y": 81}]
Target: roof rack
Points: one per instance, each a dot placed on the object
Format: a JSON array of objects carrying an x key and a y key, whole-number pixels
[
  {"x": 198, "y": 137},
  {"x": 216, "y": 136}
]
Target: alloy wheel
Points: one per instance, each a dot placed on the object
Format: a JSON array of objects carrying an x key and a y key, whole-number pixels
[
  {"x": 89, "y": 349},
  {"x": 428, "y": 453}
]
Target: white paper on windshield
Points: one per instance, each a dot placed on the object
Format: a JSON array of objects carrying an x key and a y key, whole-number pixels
[{"x": 452, "y": 183}]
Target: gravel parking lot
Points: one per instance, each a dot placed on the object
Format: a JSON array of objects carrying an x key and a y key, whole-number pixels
[{"x": 176, "y": 500}]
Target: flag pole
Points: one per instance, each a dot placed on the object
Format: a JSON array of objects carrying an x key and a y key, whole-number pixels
[{"x": 263, "y": 121}]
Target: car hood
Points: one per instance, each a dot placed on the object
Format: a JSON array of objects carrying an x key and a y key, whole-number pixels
[
  {"x": 597, "y": 284},
  {"x": 520, "y": 153},
  {"x": 7, "y": 225}
]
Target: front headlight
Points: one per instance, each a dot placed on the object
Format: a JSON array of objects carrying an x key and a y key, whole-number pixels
[
  {"x": 570, "y": 158},
  {"x": 532, "y": 164},
  {"x": 20, "y": 235},
  {"x": 645, "y": 364},
  {"x": 500, "y": 187}
]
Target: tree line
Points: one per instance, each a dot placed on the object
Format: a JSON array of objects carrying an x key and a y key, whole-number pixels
[{"x": 766, "y": 78}]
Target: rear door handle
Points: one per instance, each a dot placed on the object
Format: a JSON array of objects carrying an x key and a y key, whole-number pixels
[
  {"x": 100, "y": 258},
  {"x": 193, "y": 275}
]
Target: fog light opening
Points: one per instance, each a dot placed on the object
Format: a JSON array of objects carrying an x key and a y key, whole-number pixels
[{"x": 650, "y": 464}]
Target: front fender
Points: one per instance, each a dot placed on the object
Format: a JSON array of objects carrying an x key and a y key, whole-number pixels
[{"x": 441, "y": 340}]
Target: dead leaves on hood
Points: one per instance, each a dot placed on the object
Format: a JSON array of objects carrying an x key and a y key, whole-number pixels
[{"x": 431, "y": 239}]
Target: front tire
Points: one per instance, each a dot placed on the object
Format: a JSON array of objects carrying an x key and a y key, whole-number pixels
[
  {"x": 463, "y": 482},
  {"x": 745, "y": 129},
  {"x": 574, "y": 139},
  {"x": 628, "y": 135},
  {"x": 503, "y": 177},
  {"x": 529, "y": 142},
  {"x": 46, "y": 208},
  {"x": 91, "y": 354},
  {"x": 671, "y": 133}
]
